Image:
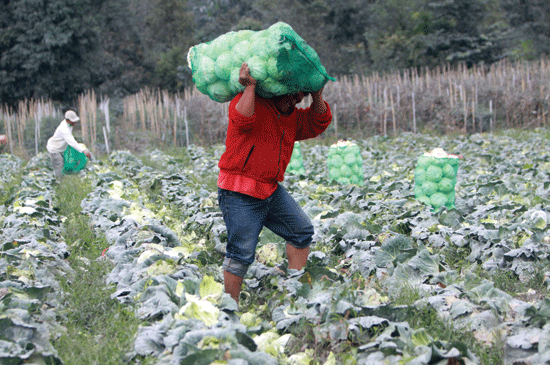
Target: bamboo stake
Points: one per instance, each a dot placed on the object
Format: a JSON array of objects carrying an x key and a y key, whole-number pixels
[
  {"x": 9, "y": 118},
  {"x": 464, "y": 105},
  {"x": 474, "y": 103},
  {"x": 542, "y": 99},
  {"x": 141, "y": 110},
  {"x": 175, "y": 131},
  {"x": 186, "y": 127},
  {"x": 438, "y": 81},
  {"x": 491, "y": 116},
  {"x": 93, "y": 111},
  {"x": 83, "y": 118},
  {"x": 393, "y": 115},
  {"x": 414, "y": 113},
  {"x": 474, "y": 116},
  {"x": 369, "y": 91},
  {"x": 106, "y": 139},
  {"x": 398, "y": 96},
  {"x": 37, "y": 117},
  {"x": 385, "y": 112},
  {"x": 22, "y": 120},
  {"x": 335, "y": 116}
]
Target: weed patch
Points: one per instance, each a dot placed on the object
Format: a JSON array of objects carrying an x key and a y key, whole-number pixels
[
  {"x": 9, "y": 188},
  {"x": 426, "y": 317},
  {"x": 99, "y": 330}
]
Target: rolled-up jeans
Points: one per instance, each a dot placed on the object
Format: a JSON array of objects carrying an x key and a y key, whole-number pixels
[
  {"x": 57, "y": 164},
  {"x": 245, "y": 216}
]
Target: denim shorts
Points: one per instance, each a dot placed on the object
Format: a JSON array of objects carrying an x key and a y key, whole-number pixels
[{"x": 245, "y": 216}]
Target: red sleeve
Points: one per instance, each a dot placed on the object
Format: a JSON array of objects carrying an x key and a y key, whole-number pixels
[
  {"x": 240, "y": 121},
  {"x": 311, "y": 124}
]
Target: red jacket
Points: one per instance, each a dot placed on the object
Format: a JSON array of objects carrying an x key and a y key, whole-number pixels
[{"x": 259, "y": 148}]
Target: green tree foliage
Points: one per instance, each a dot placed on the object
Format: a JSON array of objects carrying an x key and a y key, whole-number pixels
[
  {"x": 393, "y": 30},
  {"x": 166, "y": 31},
  {"x": 459, "y": 33},
  {"x": 416, "y": 33},
  {"x": 333, "y": 29},
  {"x": 120, "y": 62},
  {"x": 173, "y": 27},
  {"x": 44, "y": 48},
  {"x": 345, "y": 23},
  {"x": 529, "y": 36},
  {"x": 59, "y": 48},
  {"x": 216, "y": 17},
  {"x": 171, "y": 71}
]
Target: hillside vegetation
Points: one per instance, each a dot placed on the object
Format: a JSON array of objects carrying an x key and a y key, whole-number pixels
[{"x": 58, "y": 49}]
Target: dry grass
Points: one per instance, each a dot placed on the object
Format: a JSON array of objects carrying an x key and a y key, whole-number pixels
[
  {"x": 87, "y": 110},
  {"x": 444, "y": 100},
  {"x": 29, "y": 115},
  {"x": 173, "y": 119}
]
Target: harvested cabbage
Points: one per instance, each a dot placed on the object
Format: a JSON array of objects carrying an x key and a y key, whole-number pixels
[
  {"x": 207, "y": 68},
  {"x": 224, "y": 65},
  {"x": 279, "y": 59},
  {"x": 345, "y": 163},
  {"x": 435, "y": 178},
  {"x": 257, "y": 68},
  {"x": 220, "y": 91},
  {"x": 234, "y": 85},
  {"x": 296, "y": 164}
]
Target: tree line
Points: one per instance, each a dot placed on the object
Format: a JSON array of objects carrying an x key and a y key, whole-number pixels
[{"x": 58, "y": 49}]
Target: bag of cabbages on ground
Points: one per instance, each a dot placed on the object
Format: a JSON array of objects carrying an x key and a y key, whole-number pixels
[
  {"x": 435, "y": 178},
  {"x": 278, "y": 58},
  {"x": 296, "y": 164},
  {"x": 345, "y": 164}
]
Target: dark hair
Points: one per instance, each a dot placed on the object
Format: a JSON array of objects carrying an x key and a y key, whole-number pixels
[{"x": 306, "y": 93}]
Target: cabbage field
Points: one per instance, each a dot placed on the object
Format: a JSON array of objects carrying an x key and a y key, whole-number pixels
[{"x": 389, "y": 280}]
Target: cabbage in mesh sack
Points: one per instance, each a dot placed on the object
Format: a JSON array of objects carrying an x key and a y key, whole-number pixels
[
  {"x": 296, "y": 164},
  {"x": 435, "y": 179},
  {"x": 345, "y": 164},
  {"x": 74, "y": 161},
  {"x": 278, "y": 58}
]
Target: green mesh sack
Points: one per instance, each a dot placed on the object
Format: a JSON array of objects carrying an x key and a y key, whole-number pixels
[
  {"x": 74, "y": 161},
  {"x": 296, "y": 164},
  {"x": 435, "y": 179},
  {"x": 278, "y": 58},
  {"x": 345, "y": 164}
]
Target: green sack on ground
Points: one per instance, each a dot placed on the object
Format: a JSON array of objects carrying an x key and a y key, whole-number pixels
[
  {"x": 435, "y": 179},
  {"x": 296, "y": 164},
  {"x": 345, "y": 164},
  {"x": 74, "y": 161},
  {"x": 278, "y": 58}
]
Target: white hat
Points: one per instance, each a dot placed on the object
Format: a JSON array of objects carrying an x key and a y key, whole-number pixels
[{"x": 70, "y": 115}]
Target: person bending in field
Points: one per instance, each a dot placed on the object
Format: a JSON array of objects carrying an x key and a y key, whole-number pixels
[
  {"x": 62, "y": 137},
  {"x": 260, "y": 139}
]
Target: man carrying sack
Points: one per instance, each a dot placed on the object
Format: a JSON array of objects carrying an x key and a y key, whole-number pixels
[{"x": 260, "y": 140}]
